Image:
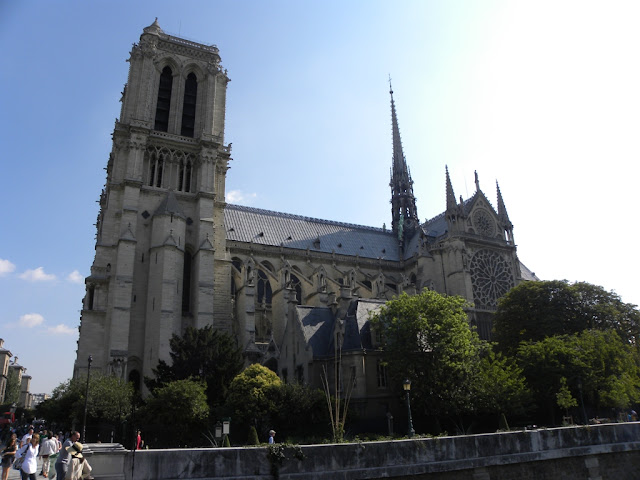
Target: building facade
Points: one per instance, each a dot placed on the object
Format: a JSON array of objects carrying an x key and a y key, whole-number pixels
[
  {"x": 5, "y": 357},
  {"x": 294, "y": 291}
]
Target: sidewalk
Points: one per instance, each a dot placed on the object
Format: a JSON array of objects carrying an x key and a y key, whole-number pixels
[{"x": 15, "y": 474}]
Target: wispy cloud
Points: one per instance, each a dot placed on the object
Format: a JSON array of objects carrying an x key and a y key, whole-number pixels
[
  {"x": 31, "y": 320},
  {"x": 238, "y": 196},
  {"x": 37, "y": 275},
  {"x": 6, "y": 267},
  {"x": 62, "y": 329},
  {"x": 75, "y": 277}
]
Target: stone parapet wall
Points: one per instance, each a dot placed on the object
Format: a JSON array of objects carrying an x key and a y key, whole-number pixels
[{"x": 609, "y": 451}]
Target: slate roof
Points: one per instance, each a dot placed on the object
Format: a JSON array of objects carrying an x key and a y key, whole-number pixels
[
  {"x": 357, "y": 334},
  {"x": 527, "y": 274},
  {"x": 317, "y": 327},
  {"x": 265, "y": 227}
]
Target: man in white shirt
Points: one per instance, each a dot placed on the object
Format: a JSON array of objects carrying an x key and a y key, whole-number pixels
[
  {"x": 48, "y": 447},
  {"x": 27, "y": 436}
]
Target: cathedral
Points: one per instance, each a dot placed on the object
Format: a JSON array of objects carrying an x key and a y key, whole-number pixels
[{"x": 295, "y": 292}]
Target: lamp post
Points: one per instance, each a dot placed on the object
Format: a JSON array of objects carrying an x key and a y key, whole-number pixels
[
  {"x": 584, "y": 413},
  {"x": 407, "y": 388},
  {"x": 86, "y": 398}
]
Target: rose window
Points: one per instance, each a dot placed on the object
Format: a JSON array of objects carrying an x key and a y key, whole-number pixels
[
  {"x": 491, "y": 277},
  {"x": 484, "y": 223}
]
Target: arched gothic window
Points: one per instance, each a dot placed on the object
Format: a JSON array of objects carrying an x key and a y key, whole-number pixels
[
  {"x": 184, "y": 176},
  {"x": 134, "y": 377},
  {"x": 189, "y": 106},
  {"x": 164, "y": 100},
  {"x": 90, "y": 297},
  {"x": 156, "y": 167},
  {"x": 186, "y": 282},
  {"x": 264, "y": 288}
]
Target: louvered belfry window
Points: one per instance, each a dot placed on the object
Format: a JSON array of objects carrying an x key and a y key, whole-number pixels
[
  {"x": 164, "y": 100},
  {"x": 189, "y": 106}
]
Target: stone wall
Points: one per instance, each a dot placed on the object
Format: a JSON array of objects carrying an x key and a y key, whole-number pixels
[{"x": 599, "y": 452}]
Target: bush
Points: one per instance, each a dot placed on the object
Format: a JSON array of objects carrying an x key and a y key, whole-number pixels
[{"x": 252, "y": 438}]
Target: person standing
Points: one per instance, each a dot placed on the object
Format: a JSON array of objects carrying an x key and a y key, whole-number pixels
[
  {"x": 27, "y": 437},
  {"x": 30, "y": 454},
  {"x": 79, "y": 468},
  {"x": 272, "y": 436},
  {"x": 62, "y": 464},
  {"x": 139, "y": 441},
  {"x": 48, "y": 447},
  {"x": 8, "y": 455}
]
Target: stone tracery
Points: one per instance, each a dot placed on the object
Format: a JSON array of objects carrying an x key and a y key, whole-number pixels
[{"x": 491, "y": 277}]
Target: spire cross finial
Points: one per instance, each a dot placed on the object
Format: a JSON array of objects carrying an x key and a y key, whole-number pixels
[{"x": 390, "y": 88}]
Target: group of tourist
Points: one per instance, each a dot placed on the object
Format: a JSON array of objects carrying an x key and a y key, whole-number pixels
[{"x": 23, "y": 456}]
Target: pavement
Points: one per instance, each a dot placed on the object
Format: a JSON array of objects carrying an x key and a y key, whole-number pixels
[{"x": 15, "y": 474}]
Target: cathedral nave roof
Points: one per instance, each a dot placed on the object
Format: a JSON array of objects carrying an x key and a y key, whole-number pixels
[{"x": 265, "y": 227}]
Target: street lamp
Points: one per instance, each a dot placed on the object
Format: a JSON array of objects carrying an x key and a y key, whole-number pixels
[
  {"x": 86, "y": 398},
  {"x": 407, "y": 388},
  {"x": 584, "y": 413}
]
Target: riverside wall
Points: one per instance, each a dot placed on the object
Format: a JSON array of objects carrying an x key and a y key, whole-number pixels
[{"x": 597, "y": 452}]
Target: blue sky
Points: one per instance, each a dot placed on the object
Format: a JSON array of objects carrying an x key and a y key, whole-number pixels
[{"x": 542, "y": 96}]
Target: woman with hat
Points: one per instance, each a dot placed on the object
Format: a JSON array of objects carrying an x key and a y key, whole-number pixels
[{"x": 78, "y": 465}]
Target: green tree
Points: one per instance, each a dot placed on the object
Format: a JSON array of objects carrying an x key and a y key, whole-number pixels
[
  {"x": 12, "y": 388},
  {"x": 533, "y": 311},
  {"x": 564, "y": 398},
  {"x": 204, "y": 353},
  {"x": 427, "y": 338},
  {"x": 598, "y": 363},
  {"x": 110, "y": 400},
  {"x": 501, "y": 385},
  {"x": 176, "y": 415},
  {"x": 252, "y": 397},
  {"x": 300, "y": 413}
]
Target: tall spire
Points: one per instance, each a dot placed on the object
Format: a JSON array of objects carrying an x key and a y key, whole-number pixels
[
  {"x": 403, "y": 203},
  {"x": 451, "y": 197},
  {"x": 503, "y": 216},
  {"x": 502, "y": 210}
]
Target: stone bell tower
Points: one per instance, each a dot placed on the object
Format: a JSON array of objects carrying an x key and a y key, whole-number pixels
[{"x": 160, "y": 262}]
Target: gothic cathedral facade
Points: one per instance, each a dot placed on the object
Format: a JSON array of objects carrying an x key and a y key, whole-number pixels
[{"x": 171, "y": 253}]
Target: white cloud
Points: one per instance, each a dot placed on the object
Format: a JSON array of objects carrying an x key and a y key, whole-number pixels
[
  {"x": 31, "y": 320},
  {"x": 37, "y": 275},
  {"x": 237, "y": 196},
  {"x": 75, "y": 277},
  {"x": 62, "y": 329},
  {"x": 6, "y": 267}
]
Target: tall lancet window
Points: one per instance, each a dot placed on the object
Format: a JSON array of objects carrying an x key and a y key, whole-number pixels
[
  {"x": 186, "y": 282},
  {"x": 164, "y": 100},
  {"x": 184, "y": 176},
  {"x": 264, "y": 288},
  {"x": 189, "y": 106},
  {"x": 156, "y": 166}
]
